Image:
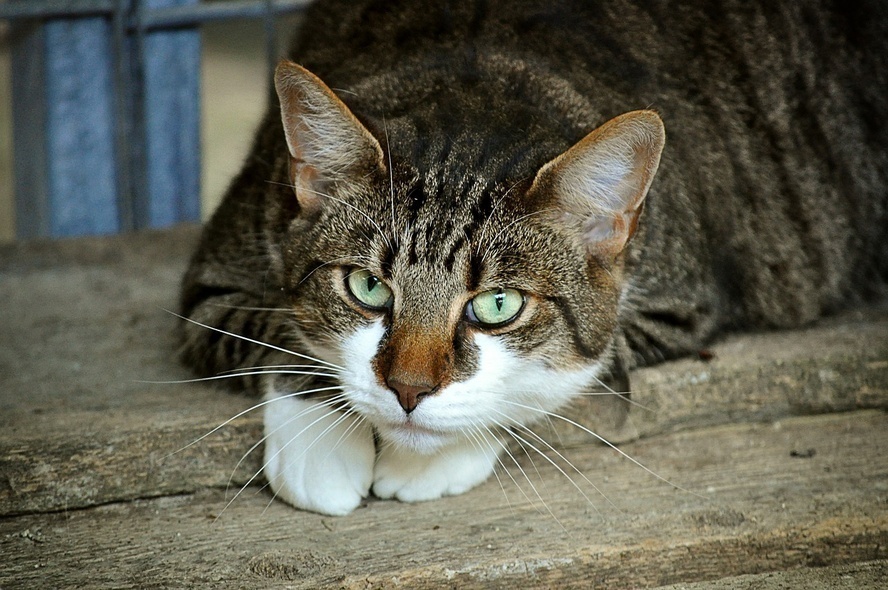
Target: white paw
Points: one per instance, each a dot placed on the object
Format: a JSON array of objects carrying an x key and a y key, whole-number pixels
[
  {"x": 315, "y": 458},
  {"x": 412, "y": 477}
]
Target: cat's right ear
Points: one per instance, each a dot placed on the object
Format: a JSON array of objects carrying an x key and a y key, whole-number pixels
[
  {"x": 326, "y": 141},
  {"x": 598, "y": 186}
]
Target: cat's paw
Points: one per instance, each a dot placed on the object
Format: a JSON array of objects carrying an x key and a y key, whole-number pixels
[
  {"x": 412, "y": 477},
  {"x": 314, "y": 458}
]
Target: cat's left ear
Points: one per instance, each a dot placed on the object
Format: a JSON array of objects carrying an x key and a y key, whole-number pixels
[
  {"x": 326, "y": 141},
  {"x": 598, "y": 186}
]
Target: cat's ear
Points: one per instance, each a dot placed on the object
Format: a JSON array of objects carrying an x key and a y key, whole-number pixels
[
  {"x": 598, "y": 186},
  {"x": 326, "y": 141}
]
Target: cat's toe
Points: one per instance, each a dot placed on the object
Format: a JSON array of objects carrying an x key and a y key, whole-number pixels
[
  {"x": 337, "y": 496},
  {"x": 411, "y": 477},
  {"x": 408, "y": 486},
  {"x": 323, "y": 465},
  {"x": 386, "y": 487},
  {"x": 418, "y": 489}
]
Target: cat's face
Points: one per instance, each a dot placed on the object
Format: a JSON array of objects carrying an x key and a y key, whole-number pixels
[
  {"x": 445, "y": 323},
  {"x": 456, "y": 307}
]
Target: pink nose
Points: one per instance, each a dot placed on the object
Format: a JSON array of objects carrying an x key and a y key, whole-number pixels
[{"x": 409, "y": 394}]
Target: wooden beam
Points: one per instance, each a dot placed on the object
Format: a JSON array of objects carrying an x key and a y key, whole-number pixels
[{"x": 758, "y": 509}]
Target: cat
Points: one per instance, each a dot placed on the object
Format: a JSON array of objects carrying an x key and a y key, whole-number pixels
[{"x": 449, "y": 224}]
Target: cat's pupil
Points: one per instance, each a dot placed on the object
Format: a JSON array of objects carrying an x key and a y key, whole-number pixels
[
  {"x": 372, "y": 281},
  {"x": 500, "y": 298}
]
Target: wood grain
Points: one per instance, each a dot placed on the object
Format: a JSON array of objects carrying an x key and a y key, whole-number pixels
[{"x": 751, "y": 507}]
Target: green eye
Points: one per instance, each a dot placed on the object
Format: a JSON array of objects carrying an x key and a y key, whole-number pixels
[
  {"x": 368, "y": 289},
  {"x": 496, "y": 307}
]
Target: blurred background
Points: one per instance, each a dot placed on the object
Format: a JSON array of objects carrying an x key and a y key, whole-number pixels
[
  {"x": 234, "y": 83},
  {"x": 7, "y": 208}
]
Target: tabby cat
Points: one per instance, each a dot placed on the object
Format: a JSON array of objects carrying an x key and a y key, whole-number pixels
[{"x": 438, "y": 234}]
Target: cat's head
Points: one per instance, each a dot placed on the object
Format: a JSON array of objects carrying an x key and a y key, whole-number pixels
[{"x": 456, "y": 302}]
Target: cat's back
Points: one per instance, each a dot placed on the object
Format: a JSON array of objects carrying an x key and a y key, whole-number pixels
[
  {"x": 769, "y": 208},
  {"x": 770, "y": 204},
  {"x": 630, "y": 45}
]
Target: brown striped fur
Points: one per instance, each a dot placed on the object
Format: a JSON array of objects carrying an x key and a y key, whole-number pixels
[{"x": 769, "y": 208}]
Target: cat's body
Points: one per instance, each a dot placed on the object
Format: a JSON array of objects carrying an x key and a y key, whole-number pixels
[{"x": 769, "y": 209}]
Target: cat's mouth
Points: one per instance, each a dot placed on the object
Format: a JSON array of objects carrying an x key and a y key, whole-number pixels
[
  {"x": 409, "y": 426},
  {"x": 419, "y": 437},
  {"x": 412, "y": 427}
]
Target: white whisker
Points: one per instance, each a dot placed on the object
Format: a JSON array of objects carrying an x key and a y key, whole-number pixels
[
  {"x": 246, "y": 308},
  {"x": 500, "y": 232},
  {"x": 479, "y": 441},
  {"x": 345, "y": 415},
  {"x": 523, "y": 441},
  {"x": 289, "y": 420},
  {"x": 506, "y": 450},
  {"x": 388, "y": 151},
  {"x": 275, "y": 367},
  {"x": 349, "y": 430},
  {"x": 320, "y": 405},
  {"x": 497, "y": 204},
  {"x": 259, "y": 342},
  {"x": 233, "y": 375},
  {"x": 606, "y": 442},
  {"x": 622, "y": 394},
  {"x": 566, "y": 461},
  {"x": 250, "y": 409},
  {"x": 320, "y": 266}
]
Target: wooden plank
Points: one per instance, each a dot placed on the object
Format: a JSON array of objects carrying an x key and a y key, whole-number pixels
[
  {"x": 85, "y": 429},
  {"x": 838, "y": 365},
  {"x": 80, "y": 159},
  {"x": 171, "y": 105},
  {"x": 870, "y": 575},
  {"x": 753, "y": 507},
  {"x": 64, "y": 121}
]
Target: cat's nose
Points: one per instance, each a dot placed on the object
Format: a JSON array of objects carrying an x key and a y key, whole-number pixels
[{"x": 410, "y": 394}]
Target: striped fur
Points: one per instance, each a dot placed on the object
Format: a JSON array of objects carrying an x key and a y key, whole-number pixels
[{"x": 444, "y": 151}]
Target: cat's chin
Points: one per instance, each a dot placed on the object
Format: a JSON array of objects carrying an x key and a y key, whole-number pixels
[{"x": 414, "y": 437}]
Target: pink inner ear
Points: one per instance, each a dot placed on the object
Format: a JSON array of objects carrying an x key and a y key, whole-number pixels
[
  {"x": 304, "y": 179},
  {"x": 607, "y": 235},
  {"x": 320, "y": 130},
  {"x": 603, "y": 180}
]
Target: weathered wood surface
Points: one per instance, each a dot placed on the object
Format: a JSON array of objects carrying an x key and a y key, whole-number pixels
[
  {"x": 85, "y": 444},
  {"x": 83, "y": 325},
  {"x": 754, "y": 508},
  {"x": 870, "y": 575}
]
